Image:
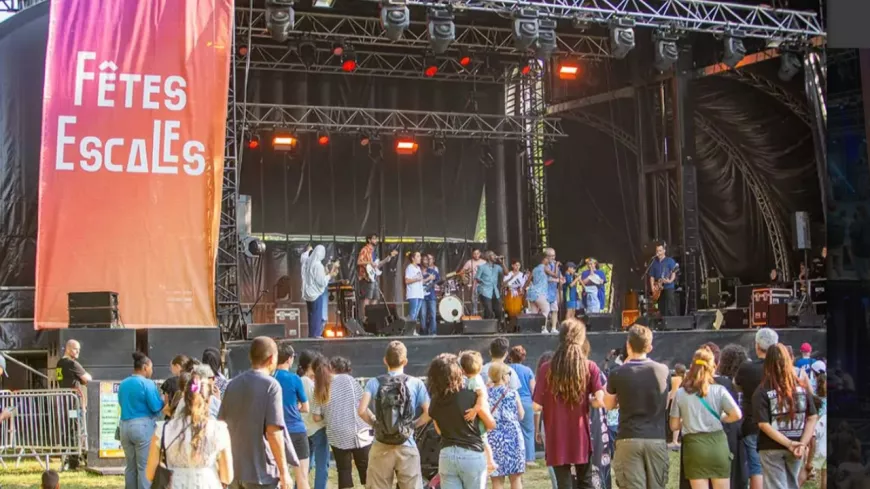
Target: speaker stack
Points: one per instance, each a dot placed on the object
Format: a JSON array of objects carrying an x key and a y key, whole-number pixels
[{"x": 93, "y": 310}]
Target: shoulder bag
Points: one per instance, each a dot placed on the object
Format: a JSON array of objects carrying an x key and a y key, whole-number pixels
[
  {"x": 709, "y": 408},
  {"x": 163, "y": 475}
]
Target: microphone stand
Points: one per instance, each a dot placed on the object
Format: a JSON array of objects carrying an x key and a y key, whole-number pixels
[
  {"x": 259, "y": 298},
  {"x": 643, "y": 279}
]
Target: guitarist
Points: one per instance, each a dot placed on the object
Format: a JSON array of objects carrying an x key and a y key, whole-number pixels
[
  {"x": 368, "y": 270},
  {"x": 662, "y": 275}
]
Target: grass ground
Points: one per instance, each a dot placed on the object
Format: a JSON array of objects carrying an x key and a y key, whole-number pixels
[{"x": 27, "y": 477}]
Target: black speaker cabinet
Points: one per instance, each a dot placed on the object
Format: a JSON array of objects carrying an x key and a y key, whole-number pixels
[
  {"x": 599, "y": 322},
  {"x": 447, "y": 329},
  {"x": 79, "y": 300},
  {"x": 705, "y": 319},
  {"x": 377, "y": 317},
  {"x": 678, "y": 323},
  {"x": 777, "y": 316},
  {"x": 530, "y": 323},
  {"x": 736, "y": 318},
  {"x": 480, "y": 326},
  {"x": 94, "y": 317},
  {"x": 274, "y": 331},
  {"x": 399, "y": 327},
  {"x": 354, "y": 328}
]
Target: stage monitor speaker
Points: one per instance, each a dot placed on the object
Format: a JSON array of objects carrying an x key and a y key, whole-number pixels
[
  {"x": 736, "y": 318},
  {"x": 480, "y": 326},
  {"x": 447, "y": 329},
  {"x": 354, "y": 328},
  {"x": 400, "y": 327},
  {"x": 743, "y": 294},
  {"x": 377, "y": 316},
  {"x": 708, "y": 319},
  {"x": 810, "y": 320},
  {"x": 530, "y": 323},
  {"x": 801, "y": 231},
  {"x": 275, "y": 331},
  {"x": 599, "y": 322},
  {"x": 105, "y": 317},
  {"x": 79, "y": 300},
  {"x": 677, "y": 323},
  {"x": 777, "y": 315}
]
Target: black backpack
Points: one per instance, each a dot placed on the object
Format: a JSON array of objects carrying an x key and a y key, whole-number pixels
[{"x": 394, "y": 411}]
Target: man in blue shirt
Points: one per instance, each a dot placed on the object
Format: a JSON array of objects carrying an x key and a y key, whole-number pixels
[
  {"x": 430, "y": 298},
  {"x": 295, "y": 402},
  {"x": 489, "y": 277},
  {"x": 390, "y": 462},
  {"x": 663, "y": 275}
]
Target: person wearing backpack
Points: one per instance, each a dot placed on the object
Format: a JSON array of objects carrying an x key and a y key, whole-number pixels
[{"x": 401, "y": 404}]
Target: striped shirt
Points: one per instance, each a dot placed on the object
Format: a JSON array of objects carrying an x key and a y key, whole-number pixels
[{"x": 345, "y": 430}]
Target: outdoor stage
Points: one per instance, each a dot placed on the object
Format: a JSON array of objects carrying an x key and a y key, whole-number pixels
[{"x": 366, "y": 354}]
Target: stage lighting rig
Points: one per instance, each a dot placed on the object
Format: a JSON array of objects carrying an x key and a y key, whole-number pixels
[
  {"x": 364, "y": 139},
  {"x": 323, "y": 138},
  {"x": 525, "y": 28},
  {"x": 337, "y": 49},
  {"x": 322, "y": 3},
  {"x": 395, "y": 18},
  {"x": 405, "y": 145},
  {"x": 621, "y": 37},
  {"x": 253, "y": 247},
  {"x": 734, "y": 50},
  {"x": 439, "y": 147},
  {"x": 307, "y": 53},
  {"x": 442, "y": 30},
  {"x": 666, "y": 51},
  {"x": 568, "y": 70},
  {"x": 790, "y": 65},
  {"x": 254, "y": 142},
  {"x": 546, "y": 43},
  {"x": 284, "y": 141},
  {"x": 280, "y": 18},
  {"x": 464, "y": 58},
  {"x": 430, "y": 66},
  {"x": 348, "y": 60},
  {"x": 528, "y": 66}
]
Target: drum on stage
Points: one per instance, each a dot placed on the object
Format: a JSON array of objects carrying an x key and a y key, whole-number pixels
[
  {"x": 513, "y": 304},
  {"x": 450, "y": 309},
  {"x": 450, "y": 287}
]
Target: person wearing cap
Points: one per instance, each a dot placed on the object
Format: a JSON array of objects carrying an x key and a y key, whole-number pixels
[
  {"x": 593, "y": 286},
  {"x": 569, "y": 290},
  {"x": 805, "y": 362},
  {"x": 4, "y": 413}
]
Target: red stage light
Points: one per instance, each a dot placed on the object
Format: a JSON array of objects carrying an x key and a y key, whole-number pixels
[
  {"x": 526, "y": 69},
  {"x": 430, "y": 71},
  {"x": 465, "y": 60},
  {"x": 406, "y": 146},
  {"x": 254, "y": 143},
  {"x": 568, "y": 72},
  {"x": 323, "y": 140},
  {"x": 348, "y": 65}
]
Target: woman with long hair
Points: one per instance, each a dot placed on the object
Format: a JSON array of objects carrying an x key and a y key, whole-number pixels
[
  {"x": 197, "y": 446},
  {"x": 415, "y": 283},
  {"x": 540, "y": 435},
  {"x": 564, "y": 387},
  {"x": 212, "y": 357},
  {"x": 141, "y": 404},
  {"x": 461, "y": 463},
  {"x": 318, "y": 445},
  {"x": 335, "y": 402},
  {"x": 786, "y": 416},
  {"x": 699, "y": 410},
  {"x": 516, "y": 357}
]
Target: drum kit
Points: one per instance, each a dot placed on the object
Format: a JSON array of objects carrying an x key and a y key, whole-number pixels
[{"x": 450, "y": 306}]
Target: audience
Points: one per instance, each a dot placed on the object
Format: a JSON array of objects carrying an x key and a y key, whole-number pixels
[
  {"x": 50, "y": 480},
  {"x": 295, "y": 402},
  {"x": 141, "y": 404},
  {"x": 212, "y": 358},
  {"x": 506, "y": 440},
  {"x": 516, "y": 357},
  {"x": 169, "y": 387},
  {"x": 318, "y": 445},
  {"x": 498, "y": 352}
]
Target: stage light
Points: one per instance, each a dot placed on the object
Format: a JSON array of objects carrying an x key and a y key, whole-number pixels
[
  {"x": 734, "y": 52},
  {"x": 442, "y": 30},
  {"x": 438, "y": 146},
  {"x": 430, "y": 66},
  {"x": 621, "y": 38},
  {"x": 395, "y": 18},
  {"x": 464, "y": 58},
  {"x": 254, "y": 142},
  {"x": 666, "y": 51},
  {"x": 243, "y": 51},
  {"x": 526, "y": 69},
  {"x": 322, "y": 138},
  {"x": 337, "y": 49},
  {"x": 253, "y": 247},
  {"x": 568, "y": 70},
  {"x": 406, "y": 145},
  {"x": 322, "y": 3},
  {"x": 364, "y": 140},
  {"x": 308, "y": 53},
  {"x": 284, "y": 141},
  {"x": 348, "y": 60},
  {"x": 546, "y": 43},
  {"x": 789, "y": 66},
  {"x": 280, "y": 19},
  {"x": 525, "y": 28},
  {"x": 547, "y": 155}
]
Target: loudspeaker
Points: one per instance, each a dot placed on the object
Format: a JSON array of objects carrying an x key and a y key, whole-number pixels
[
  {"x": 447, "y": 329},
  {"x": 743, "y": 294},
  {"x": 678, "y": 323},
  {"x": 400, "y": 327},
  {"x": 78, "y": 300},
  {"x": 377, "y": 315},
  {"x": 801, "y": 231},
  {"x": 105, "y": 317},
  {"x": 777, "y": 316},
  {"x": 354, "y": 328},
  {"x": 810, "y": 320},
  {"x": 274, "y": 331},
  {"x": 705, "y": 319},
  {"x": 480, "y": 326},
  {"x": 736, "y": 318},
  {"x": 530, "y": 323},
  {"x": 599, "y": 322}
]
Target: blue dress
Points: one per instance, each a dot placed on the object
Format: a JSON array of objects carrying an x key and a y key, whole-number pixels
[{"x": 506, "y": 440}]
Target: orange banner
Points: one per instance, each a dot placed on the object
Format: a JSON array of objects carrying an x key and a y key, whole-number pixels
[{"x": 133, "y": 128}]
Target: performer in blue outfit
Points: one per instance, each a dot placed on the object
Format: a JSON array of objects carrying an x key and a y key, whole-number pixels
[
  {"x": 593, "y": 286},
  {"x": 569, "y": 290}
]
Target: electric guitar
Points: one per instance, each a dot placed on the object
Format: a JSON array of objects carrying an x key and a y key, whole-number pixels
[
  {"x": 659, "y": 284},
  {"x": 373, "y": 270}
]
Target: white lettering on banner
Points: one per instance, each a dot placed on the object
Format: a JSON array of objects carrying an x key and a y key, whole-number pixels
[{"x": 157, "y": 92}]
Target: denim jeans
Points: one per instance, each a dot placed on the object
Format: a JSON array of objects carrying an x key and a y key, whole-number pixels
[
  {"x": 753, "y": 459},
  {"x": 315, "y": 316},
  {"x": 136, "y": 440},
  {"x": 414, "y": 308},
  {"x": 460, "y": 468},
  {"x": 319, "y": 458},
  {"x": 528, "y": 426},
  {"x": 325, "y": 305},
  {"x": 430, "y": 316}
]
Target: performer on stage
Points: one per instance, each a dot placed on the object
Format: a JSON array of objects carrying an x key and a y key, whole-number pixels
[
  {"x": 569, "y": 290},
  {"x": 776, "y": 280},
  {"x": 315, "y": 281},
  {"x": 468, "y": 271},
  {"x": 593, "y": 286},
  {"x": 429, "y": 320},
  {"x": 556, "y": 279},
  {"x": 489, "y": 277},
  {"x": 536, "y": 291},
  {"x": 414, "y": 286},
  {"x": 662, "y": 275},
  {"x": 369, "y": 270},
  {"x": 325, "y": 302},
  {"x": 514, "y": 281}
]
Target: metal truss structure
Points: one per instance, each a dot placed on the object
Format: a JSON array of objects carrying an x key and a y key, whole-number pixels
[
  {"x": 775, "y": 90},
  {"x": 386, "y": 121},
  {"x": 708, "y": 16}
]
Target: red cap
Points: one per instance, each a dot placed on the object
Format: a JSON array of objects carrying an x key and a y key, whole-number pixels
[{"x": 806, "y": 348}]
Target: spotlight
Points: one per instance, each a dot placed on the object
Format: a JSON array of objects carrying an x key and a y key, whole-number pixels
[
  {"x": 253, "y": 247},
  {"x": 364, "y": 140},
  {"x": 322, "y": 3},
  {"x": 568, "y": 70},
  {"x": 526, "y": 69},
  {"x": 442, "y": 30},
  {"x": 667, "y": 52},
  {"x": 547, "y": 155},
  {"x": 621, "y": 38},
  {"x": 734, "y": 51},
  {"x": 254, "y": 142},
  {"x": 789, "y": 66},
  {"x": 438, "y": 146},
  {"x": 323, "y": 138},
  {"x": 546, "y": 38},
  {"x": 395, "y": 18},
  {"x": 430, "y": 66},
  {"x": 464, "y": 58},
  {"x": 486, "y": 157},
  {"x": 405, "y": 145},
  {"x": 280, "y": 18},
  {"x": 308, "y": 53},
  {"x": 284, "y": 141},
  {"x": 337, "y": 49},
  {"x": 348, "y": 60},
  {"x": 525, "y": 28},
  {"x": 243, "y": 51}
]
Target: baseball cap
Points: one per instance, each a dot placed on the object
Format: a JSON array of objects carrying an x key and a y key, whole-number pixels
[
  {"x": 570, "y": 264},
  {"x": 806, "y": 348},
  {"x": 819, "y": 367},
  {"x": 3, "y": 365}
]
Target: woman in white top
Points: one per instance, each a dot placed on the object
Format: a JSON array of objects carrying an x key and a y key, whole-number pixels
[
  {"x": 315, "y": 281},
  {"x": 197, "y": 447},
  {"x": 514, "y": 296},
  {"x": 699, "y": 408},
  {"x": 316, "y": 429},
  {"x": 414, "y": 290}
]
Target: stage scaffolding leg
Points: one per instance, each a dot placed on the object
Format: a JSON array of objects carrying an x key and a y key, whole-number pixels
[{"x": 814, "y": 84}]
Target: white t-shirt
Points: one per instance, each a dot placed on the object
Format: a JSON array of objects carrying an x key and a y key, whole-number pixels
[{"x": 414, "y": 290}]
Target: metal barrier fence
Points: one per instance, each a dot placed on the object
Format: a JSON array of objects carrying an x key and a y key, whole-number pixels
[{"x": 46, "y": 424}]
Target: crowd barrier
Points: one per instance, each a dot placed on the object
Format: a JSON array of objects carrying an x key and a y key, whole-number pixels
[{"x": 47, "y": 424}]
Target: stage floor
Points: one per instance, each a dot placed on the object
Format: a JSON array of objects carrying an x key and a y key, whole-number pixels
[{"x": 366, "y": 353}]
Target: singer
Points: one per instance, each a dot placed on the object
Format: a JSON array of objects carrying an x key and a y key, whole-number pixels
[
  {"x": 488, "y": 278},
  {"x": 315, "y": 282}
]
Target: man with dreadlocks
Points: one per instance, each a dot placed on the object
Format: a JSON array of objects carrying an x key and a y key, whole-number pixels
[{"x": 565, "y": 386}]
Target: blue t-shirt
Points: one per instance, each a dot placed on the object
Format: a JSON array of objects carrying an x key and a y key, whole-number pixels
[
  {"x": 139, "y": 398},
  {"x": 663, "y": 269},
  {"x": 569, "y": 292},
  {"x": 805, "y": 364},
  {"x": 538, "y": 287},
  {"x": 526, "y": 377},
  {"x": 552, "y": 287},
  {"x": 429, "y": 288},
  {"x": 292, "y": 393},
  {"x": 417, "y": 389}
]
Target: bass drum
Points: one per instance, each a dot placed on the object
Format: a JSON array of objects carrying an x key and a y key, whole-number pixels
[
  {"x": 513, "y": 304},
  {"x": 450, "y": 309}
]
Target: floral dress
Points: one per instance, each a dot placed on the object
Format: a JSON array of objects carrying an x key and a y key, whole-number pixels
[{"x": 506, "y": 440}]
